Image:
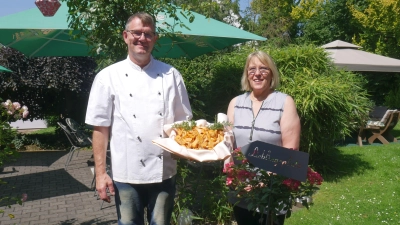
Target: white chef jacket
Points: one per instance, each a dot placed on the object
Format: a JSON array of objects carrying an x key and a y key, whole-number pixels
[{"x": 136, "y": 103}]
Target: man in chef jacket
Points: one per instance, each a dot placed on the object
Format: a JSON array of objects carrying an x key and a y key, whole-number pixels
[{"x": 129, "y": 103}]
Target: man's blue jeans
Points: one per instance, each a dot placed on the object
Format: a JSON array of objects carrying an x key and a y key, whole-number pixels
[{"x": 131, "y": 199}]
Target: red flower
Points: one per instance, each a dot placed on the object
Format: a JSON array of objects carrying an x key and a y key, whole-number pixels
[
  {"x": 229, "y": 181},
  {"x": 228, "y": 168},
  {"x": 292, "y": 184},
  {"x": 314, "y": 177}
]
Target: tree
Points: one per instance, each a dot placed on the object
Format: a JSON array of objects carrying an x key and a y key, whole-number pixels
[
  {"x": 321, "y": 22},
  {"x": 380, "y": 23},
  {"x": 221, "y": 10},
  {"x": 48, "y": 85},
  {"x": 103, "y": 21},
  {"x": 273, "y": 22}
]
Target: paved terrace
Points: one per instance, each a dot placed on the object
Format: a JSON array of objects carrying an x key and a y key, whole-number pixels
[{"x": 55, "y": 196}]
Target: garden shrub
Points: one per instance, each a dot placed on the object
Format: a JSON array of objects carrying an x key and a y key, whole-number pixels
[
  {"x": 197, "y": 74},
  {"x": 382, "y": 88},
  {"x": 9, "y": 112},
  {"x": 202, "y": 190},
  {"x": 392, "y": 99},
  {"x": 8, "y": 151}
]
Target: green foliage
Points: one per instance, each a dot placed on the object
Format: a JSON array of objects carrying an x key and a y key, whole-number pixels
[
  {"x": 9, "y": 112},
  {"x": 382, "y": 86},
  {"x": 49, "y": 85},
  {"x": 189, "y": 125},
  {"x": 201, "y": 189},
  {"x": 211, "y": 80},
  {"x": 326, "y": 21},
  {"x": 392, "y": 99},
  {"x": 8, "y": 201},
  {"x": 51, "y": 120},
  {"x": 185, "y": 125},
  {"x": 219, "y": 125},
  {"x": 273, "y": 22},
  {"x": 221, "y": 10},
  {"x": 102, "y": 22},
  {"x": 8, "y": 152},
  {"x": 380, "y": 22}
]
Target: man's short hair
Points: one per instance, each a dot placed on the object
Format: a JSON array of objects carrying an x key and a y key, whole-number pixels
[{"x": 146, "y": 19}]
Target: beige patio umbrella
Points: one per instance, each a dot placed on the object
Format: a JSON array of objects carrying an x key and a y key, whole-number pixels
[{"x": 348, "y": 56}]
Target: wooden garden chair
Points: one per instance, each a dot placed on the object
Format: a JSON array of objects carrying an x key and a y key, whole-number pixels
[{"x": 380, "y": 129}]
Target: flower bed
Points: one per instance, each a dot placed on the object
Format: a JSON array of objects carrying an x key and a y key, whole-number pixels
[{"x": 260, "y": 188}]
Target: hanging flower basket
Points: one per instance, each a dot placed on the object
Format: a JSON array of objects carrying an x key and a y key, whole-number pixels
[{"x": 48, "y": 7}]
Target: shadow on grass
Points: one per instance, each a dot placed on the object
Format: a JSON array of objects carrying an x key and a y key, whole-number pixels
[{"x": 335, "y": 165}]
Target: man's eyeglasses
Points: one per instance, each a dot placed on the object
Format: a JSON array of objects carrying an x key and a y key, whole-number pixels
[
  {"x": 264, "y": 71},
  {"x": 138, "y": 34}
]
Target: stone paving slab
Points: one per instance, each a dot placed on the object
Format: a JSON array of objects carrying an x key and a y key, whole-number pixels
[{"x": 55, "y": 196}]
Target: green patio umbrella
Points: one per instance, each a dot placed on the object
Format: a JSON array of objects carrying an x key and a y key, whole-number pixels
[
  {"x": 205, "y": 35},
  {"x": 35, "y": 35},
  {"x": 3, "y": 69}
]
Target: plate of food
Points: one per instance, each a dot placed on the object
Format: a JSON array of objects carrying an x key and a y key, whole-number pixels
[{"x": 198, "y": 140}]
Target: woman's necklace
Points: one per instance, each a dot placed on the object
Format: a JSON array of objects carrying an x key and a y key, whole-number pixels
[
  {"x": 254, "y": 117},
  {"x": 253, "y": 98}
]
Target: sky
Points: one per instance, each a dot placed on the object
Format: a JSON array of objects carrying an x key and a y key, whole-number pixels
[{"x": 13, "y": 6}]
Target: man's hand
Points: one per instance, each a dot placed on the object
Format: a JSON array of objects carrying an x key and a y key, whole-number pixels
[{"x": 104, "y": 182}]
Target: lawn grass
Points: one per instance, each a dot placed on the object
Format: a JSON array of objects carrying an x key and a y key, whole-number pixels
[
  {"x": 44, "y": 139},
  {"x": 364, "y": 189},
  {"x": 53, "y": 138},
  {"x": 48, "y": 130}
]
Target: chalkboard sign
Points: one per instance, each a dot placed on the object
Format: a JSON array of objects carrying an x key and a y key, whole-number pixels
[{"x": 283, "y": 161}]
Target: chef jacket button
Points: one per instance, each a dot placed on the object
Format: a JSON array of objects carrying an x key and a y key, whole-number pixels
[
  {"x": 139, "y": 139},
  {"x": 130, "y": 95},
  {"x": 126, "y": 74},
  {"x": 134, "y": 115},
  {"x": 160, "y": 135},
  {"x": 160, "y": 114},
  {"x": 159, "y": 93}
]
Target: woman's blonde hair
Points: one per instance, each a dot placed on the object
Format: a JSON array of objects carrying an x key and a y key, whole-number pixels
[{"x": 266, "y": 60}]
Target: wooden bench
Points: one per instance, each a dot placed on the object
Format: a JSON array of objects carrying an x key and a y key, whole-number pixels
[{"x": 380, "y": 130}]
